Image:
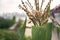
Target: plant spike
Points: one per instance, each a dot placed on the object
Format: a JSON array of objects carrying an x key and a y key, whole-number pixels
[
  {"x": 46, "y": 8},
  {"x": 23, "y": 8},
  {"x": 30, "y": 4},
  {"x": 38, "y": 16},
  {"x": 27, "y": 11},
  {"x": 45, "y": 15},
  {"x": 38, "y": 13},
  {"x": 42, "y": 3},
  {"x": 29, "y": 14},
  {"x": 23, "y": 4},
  {"x": 41, "y": 6},
  {"x": 31, "y": 7},
  {"x": 37, "y": 4},
  {"x": 37, "y": 7},
  {"x": 45, "y": 21}
]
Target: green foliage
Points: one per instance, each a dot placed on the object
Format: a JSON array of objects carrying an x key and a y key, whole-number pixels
[
  {"x": 48, "y": 11},
  {"x": 21, "y": 30},
  {"x": 14, "y": 18},
  {"x": 42, "y": 32},
  {"x": 6, "y": 23},
  {"x": 8, "y": 35},
  {"x": 28, "y": 38},
  {"x": 58, "y": 29}
]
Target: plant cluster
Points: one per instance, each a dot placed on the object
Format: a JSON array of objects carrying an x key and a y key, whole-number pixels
[{"x": 37, "y": 15}]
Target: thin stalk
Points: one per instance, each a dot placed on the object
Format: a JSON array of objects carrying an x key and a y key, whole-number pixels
[
  {"x": 30, "y": 4},
  {"x": 23, "y": 4},
  {"x": 42, "y": 3},
  {"x": 45, "y": 21},
  {"x": 37, "y": 5},
  {"x": 31, "y": 8}
]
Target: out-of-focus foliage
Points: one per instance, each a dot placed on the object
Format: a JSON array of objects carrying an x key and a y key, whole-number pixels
[
  {"x": 8, "y": 35},
  {"x": 58, "y": 29},
  {"x": 42, "y": 32},
  {"x": 28, "y": 38},
  {"x": 21, "y": 30},
  {"x": 6, "y": 23},
  {"x": 18, "y": 34}
]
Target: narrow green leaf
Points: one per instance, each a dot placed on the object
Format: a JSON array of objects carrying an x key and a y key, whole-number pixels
[
  {"x": 43, "y": 32},
  {"x": 22, "y": 30}
]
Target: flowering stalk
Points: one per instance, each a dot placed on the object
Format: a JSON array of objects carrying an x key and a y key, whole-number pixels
[{"x": 37, "y": 15}]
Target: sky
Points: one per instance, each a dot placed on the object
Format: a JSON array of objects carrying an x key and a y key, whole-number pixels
[{"x": 12, "y": 5}]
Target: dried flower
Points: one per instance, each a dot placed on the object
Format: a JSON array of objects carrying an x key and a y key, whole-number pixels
[{"x": 38, "y": 16}]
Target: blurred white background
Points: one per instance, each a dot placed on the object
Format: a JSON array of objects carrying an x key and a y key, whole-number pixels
[{"x": 12, "y": 5}]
